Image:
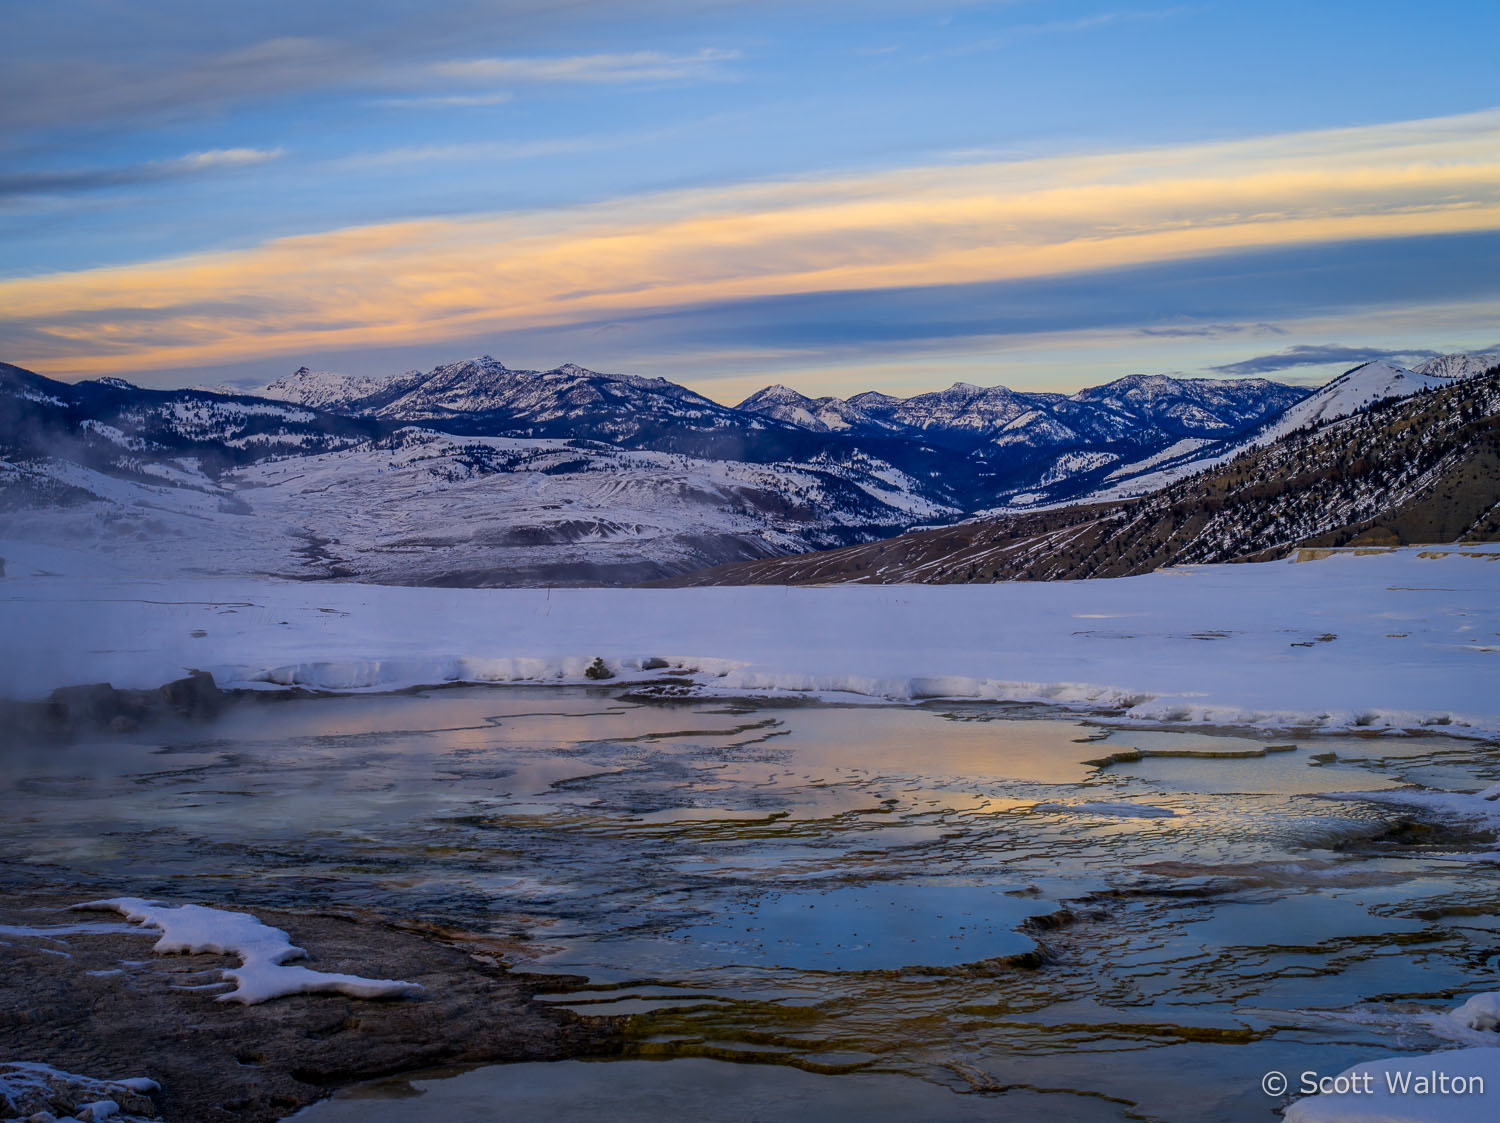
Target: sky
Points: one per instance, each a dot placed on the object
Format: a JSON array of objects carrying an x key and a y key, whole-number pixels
[{"x": 838, "y": 196}]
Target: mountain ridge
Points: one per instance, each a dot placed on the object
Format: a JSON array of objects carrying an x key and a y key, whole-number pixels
[
  {"x": 566, "y": 473},
  {"x": 1423, "y": 467}
]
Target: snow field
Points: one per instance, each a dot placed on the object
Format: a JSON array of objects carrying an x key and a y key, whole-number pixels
[{"x": 1399, "y": 640}]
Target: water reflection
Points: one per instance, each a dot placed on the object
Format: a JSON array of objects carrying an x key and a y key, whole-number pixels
[
  {"x": 961, "y": 898},
  {"x": 687, "y": 1089}
]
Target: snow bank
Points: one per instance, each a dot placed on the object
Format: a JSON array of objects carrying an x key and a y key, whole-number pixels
[
  {"x": 1456, "y": 1086},
  {"x": 1408, "y": 639},
  {"x": 1451, "y": 1086},
  {"x": 1475, "y": 1022},
  {"x": 1482, "y": 1012},
  {"x": 263, "y": 952}
]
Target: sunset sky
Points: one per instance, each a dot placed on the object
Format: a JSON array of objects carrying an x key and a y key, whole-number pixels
[{"x": 887, "y": 194}]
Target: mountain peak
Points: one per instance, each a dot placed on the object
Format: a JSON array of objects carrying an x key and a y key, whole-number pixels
[
  {"x": 774, "y": 394},
  {"x": 321, "y": 389},
  {"x": 483, "y": 362},
  {"x": 1459, "y": 365},
  {"x": 1377, "y": 367}
]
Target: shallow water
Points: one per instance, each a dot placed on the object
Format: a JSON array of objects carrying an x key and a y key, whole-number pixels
[
  {"x": 685, "y": 1089},
  {"x": 842, "y": 895}
]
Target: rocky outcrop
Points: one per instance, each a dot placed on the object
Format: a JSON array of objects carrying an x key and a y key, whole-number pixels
[
  {"x": 71, "y": 710},
  {"x": 110, "y": 1006}
]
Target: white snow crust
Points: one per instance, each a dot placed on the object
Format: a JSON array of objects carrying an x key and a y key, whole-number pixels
[
  {"x": 1412, "y": 638},
  {"x": 263, "y": 951}
]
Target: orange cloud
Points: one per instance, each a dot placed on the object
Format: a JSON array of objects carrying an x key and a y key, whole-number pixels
[{"x": 412, "y": 282}]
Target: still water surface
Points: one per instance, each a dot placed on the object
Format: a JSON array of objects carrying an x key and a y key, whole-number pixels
[{"x": 936, "y": 912}]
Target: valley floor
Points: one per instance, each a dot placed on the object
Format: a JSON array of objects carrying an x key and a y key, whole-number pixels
[{"x": 1388, "y": 640}]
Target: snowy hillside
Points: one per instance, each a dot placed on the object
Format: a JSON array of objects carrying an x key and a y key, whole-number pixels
[
  {"x": 1352, "y": 391},
  {"x": 1356, "y": 389},
  {"x": 430, "y": 508},
  {"x": 1459, "y": 366},
  {"x": 423, "y": 507}
]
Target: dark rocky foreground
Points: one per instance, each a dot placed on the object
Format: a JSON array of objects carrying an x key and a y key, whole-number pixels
[{"x": 220, "y": 1061}]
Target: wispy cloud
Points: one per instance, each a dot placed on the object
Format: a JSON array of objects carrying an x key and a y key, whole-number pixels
[
  {"x": 38, "y": 92},
  {"x": 220, "y": 158},
  {"x": 634, "y": 67},
  {"x": 407, "y": 155},
  {"x": 80, "y": 63},
  {"x": 404, "y": 282},
  {"x": 67, "y": 181},
  {"x": 449, "y": 101},
  {"x": 1211, "y": 331},
  {"x": 1095, "y": 22},
  {"x": 631, "y": 66},
  {"x": 1318, "y": 356}
]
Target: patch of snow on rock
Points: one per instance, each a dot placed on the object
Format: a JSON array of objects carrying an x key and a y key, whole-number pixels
[
  {"x": 263, "y": 951},
  {"x": 29, "y": 1090}
]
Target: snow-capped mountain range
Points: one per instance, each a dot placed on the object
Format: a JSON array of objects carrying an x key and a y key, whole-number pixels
[
  {"x": 484, "y": 392},
  {"x": 1381, "y": 457},
  {"x": 1350, "y": 392},
  {"x": 970, "y": 446},
  {"x": 1138, "y": 408},
  {"x": 474, "y": 473}
]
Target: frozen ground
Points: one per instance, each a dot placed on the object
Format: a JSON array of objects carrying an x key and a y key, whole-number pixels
[{"x": 1393, "y": 640}]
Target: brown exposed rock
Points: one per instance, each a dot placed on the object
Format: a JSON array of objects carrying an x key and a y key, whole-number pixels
[{"x": 219, "y": 1061}]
